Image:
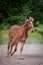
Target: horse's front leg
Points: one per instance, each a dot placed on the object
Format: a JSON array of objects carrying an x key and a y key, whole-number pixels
[{"x": 21, "y": 49}]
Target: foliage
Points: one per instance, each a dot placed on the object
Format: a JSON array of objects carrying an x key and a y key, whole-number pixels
[{"x": 16, "y": 12}]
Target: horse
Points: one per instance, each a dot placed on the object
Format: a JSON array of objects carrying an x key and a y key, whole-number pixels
[{"x": 19, "y": 34}]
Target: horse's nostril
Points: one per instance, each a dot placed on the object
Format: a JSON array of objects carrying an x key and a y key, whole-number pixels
[{"x": 33, "y": 31}]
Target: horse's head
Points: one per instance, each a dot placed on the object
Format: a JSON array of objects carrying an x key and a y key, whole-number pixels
[{"x": 30, "y": 24}]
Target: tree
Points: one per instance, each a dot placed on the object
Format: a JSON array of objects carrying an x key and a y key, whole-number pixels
[{"x": 16, "y": 12}]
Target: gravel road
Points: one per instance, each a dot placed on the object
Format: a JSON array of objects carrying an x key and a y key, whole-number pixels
[{"x": 32, "y": 55}]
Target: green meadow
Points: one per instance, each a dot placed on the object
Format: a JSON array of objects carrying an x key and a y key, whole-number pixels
[{"x": 33, "y": 38}]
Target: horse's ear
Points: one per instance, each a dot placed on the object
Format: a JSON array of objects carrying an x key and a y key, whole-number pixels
[{"x": 31, "y": 18}]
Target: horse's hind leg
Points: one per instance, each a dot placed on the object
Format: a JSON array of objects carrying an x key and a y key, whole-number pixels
[
  {"x": 14, "y": 50},
  {"x": 8, "y": 48},
  {"x": 11, "y": 48},
  {"x": 12, "y": 44}
]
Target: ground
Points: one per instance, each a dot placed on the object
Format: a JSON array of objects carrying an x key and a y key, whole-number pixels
[{"x": 32, "y": 55}]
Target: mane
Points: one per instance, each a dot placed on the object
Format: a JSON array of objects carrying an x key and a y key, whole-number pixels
[{"x": 26, "y": 22}]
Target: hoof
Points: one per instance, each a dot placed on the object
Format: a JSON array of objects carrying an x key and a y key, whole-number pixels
[{"x": 11, "y": 54}]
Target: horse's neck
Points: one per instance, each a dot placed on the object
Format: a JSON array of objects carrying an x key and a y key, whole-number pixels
[
  {"x": 25, "y": 29},
  {"x": 26, "y": 26}
]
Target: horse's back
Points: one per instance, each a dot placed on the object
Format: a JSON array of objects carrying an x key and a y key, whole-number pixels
[
  {"x": 13, "y": 27},
  {"x": 13, "y": 30}
]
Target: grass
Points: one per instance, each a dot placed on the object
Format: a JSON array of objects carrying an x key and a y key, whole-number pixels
[
  {"x": 3, "y": 37},
  {"x": 33, "y": 38}
]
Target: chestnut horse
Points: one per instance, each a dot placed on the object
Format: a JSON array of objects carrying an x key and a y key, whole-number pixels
[{"x": 19, "y": 34}]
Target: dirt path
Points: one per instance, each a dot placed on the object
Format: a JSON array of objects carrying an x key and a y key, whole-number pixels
[{"x": 32, "y": 55}]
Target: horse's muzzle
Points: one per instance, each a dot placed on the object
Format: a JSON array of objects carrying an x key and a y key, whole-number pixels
[{"x": 32, "y": 30}]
